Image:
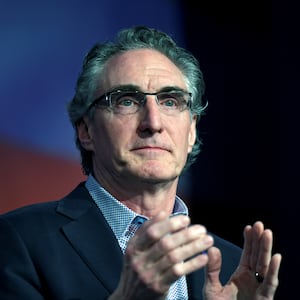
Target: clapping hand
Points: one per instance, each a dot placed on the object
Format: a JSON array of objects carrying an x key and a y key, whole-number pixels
[{"x": 256, "y": 277}]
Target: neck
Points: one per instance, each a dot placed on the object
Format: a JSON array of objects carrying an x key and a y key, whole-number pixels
[
  {"x": 143, "y": 197},
  {"x": 150, "y": 204}
]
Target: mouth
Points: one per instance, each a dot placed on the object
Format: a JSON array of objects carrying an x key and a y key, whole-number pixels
[{"x": 151, "y": 149}]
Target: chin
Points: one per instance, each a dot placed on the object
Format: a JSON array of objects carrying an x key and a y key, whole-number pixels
[
  {"x": 158, "y": 175},
  {"x": 155, "y": 170},
  {"x": 157, "y": 180}
]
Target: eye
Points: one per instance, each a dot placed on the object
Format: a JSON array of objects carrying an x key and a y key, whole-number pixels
[
  {"x": 171, "y": 102},
  {"x": 168, "y": 101},
  {"x": 126, "y": 100}
]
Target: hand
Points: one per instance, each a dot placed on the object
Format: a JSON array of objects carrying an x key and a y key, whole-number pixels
[
  {"x": 256, "y": 257},
  {"x": 161, "y": 251}
]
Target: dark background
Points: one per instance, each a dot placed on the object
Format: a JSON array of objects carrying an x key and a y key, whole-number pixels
[{"x": 248, "y": 168}]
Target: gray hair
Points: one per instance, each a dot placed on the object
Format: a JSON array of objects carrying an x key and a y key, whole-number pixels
[{"x": 139, "y": 37}]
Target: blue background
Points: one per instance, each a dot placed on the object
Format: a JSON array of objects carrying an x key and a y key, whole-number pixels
[{"x": 42, "y": 47}]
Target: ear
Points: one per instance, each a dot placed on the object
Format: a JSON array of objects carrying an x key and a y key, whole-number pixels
[
  {"x": 192, "y": 134},
  {"x": 83, "y": 133}
]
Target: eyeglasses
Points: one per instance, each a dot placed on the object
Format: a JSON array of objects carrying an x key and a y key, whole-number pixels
[{"x": 130, "y": 102}]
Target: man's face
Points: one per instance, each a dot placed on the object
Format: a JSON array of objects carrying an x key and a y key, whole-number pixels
[{"x": 148, "y": 146}]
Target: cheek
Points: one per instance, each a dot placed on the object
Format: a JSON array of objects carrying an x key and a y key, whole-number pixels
[
  {"x": 111, "y": 134},
  {"x": 182, "y": 141}
]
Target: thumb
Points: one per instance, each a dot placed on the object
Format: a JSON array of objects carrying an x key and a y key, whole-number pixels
[{"x": 212, "y": 270}]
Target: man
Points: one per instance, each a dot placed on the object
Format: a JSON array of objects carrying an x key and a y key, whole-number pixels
[{"x": 135, "y": 111}]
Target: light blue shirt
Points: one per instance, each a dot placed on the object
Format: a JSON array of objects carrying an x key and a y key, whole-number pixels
[{"x": 120, "y": 217}]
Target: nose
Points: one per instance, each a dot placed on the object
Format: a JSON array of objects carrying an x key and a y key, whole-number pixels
[{"x": 150, "y": 115}]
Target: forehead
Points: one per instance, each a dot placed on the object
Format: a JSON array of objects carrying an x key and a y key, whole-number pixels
[{"x": 146, "y": 68}]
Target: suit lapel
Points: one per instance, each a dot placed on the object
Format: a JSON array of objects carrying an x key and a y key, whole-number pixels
[
  {"x": 91, "y": 237},
  {"x": 195, "y": 282},
  {"x": 94, "y": 241}
]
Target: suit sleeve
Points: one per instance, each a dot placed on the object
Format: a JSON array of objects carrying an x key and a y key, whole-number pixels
[{"x": 18, "y": 277}]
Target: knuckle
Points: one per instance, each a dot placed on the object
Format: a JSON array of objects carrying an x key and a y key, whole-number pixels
[
  {"x": 166, "y": 243},
  {"x": 152, "y": 233},
  {"x": 173, "y": 257},
  {"x": 177, "y": 270},
  {"x": 136, "y": 265}
]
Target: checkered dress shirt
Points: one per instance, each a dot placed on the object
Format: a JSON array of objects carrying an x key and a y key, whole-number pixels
[{"x": 124, "y": 222}]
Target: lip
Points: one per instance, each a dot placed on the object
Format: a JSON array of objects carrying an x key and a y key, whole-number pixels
[{"x": 150, "y": 148}]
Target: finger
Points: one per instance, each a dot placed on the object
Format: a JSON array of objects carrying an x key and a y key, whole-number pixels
[
  {"x": 156, "y": 228},
  {"x": 264, "y": 253},
  {"x": 166, "y": 270},
  {"x": 212, "y": 271},
  {"x": 180, "y": 269},
  {"x": 176, "y": 248},
  {"x": 181, "y": 255},
  {"x": 247, "y": 247},
  {"x": 182, "y": 244},
  {"x": 256, "y": 244},
  {"x": 271, "y": 282},
  {"x": 252, "y": 235}
]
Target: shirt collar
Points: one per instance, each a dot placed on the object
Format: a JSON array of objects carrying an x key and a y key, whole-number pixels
[{"x": 117, "y": 214}]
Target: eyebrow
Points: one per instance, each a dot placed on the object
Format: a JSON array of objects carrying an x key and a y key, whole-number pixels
[{"x": 133, "y": 87}]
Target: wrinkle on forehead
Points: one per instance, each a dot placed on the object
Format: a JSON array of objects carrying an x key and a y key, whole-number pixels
[{"x": 146, "y": 68}]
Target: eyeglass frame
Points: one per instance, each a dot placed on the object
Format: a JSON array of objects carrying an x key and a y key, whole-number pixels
[{"x": 107, "y": 98}]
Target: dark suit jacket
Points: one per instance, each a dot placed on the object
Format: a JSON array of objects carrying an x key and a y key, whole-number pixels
[{"x": 63, "y": 250}]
